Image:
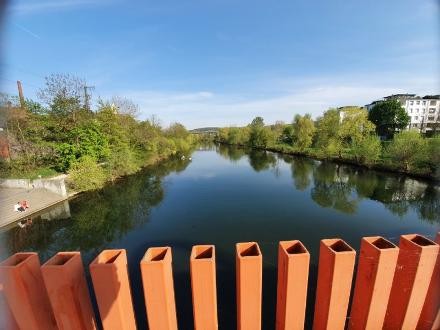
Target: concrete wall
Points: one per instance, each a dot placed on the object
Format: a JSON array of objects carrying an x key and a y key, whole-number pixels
[
  {"x": 56, "y": 184},
  {"x": 15, "y": 183}
]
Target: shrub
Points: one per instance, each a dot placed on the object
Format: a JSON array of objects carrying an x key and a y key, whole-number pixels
[
  {"x": 122, "y": 161},
  {"x": 368, "y": 151},
  {"x": 408, "y": 150},
  {"x": 86, "y": 174},
  {"x": 433, "y": 153}
]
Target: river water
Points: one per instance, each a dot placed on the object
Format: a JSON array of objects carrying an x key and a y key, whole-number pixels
[{"x": 225, "y": 195}]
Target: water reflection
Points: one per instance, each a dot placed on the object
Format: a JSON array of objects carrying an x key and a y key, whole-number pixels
[
  {"x": 95, "y": 220},
  {"x": 98, "y": 217},
  {"x": 343, "y": 187},
  {"x": 232, "y": 153}
]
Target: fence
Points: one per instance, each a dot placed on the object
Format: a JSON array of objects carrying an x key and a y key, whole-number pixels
[{"x": 395, "y": 287}]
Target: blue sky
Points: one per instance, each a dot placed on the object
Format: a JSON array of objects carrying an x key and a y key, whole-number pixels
[{"x": 223, "y": 62}]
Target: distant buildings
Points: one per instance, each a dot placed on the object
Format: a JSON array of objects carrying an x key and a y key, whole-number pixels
[{"x": 424, "y": 112}]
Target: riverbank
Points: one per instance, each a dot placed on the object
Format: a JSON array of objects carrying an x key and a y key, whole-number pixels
[
  {"x": 38, "y": 199},
  {"x": 93, "y": 177},
  {"x": 344, "y": 158},
  {"x": 42, "y": 198}
]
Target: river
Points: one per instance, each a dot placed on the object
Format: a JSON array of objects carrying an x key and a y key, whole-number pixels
[{"x": 225, "y": 195}]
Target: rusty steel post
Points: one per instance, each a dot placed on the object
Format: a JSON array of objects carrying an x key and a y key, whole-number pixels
[
  {"x": 24, "y": 292},
  {"x": 112, "y": 290},
  {"x": 204, "y": 289},
  {"x": 249, "y": 275},
  {"x": 157, "y": 279},
  {"x": 293, "y": 275},
  {"x": 68, "y": 293},
  {"x": 375, "y": 273},
  {"x": 415, "y": 265},
  {"x": 335, "y": 273}
]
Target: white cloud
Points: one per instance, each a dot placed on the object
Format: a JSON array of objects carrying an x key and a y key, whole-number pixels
[{"x": 204, "y": 108}]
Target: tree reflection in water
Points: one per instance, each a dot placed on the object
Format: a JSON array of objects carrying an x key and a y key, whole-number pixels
[
  {"x": 342, "y": 187},
  {"x": 98, "y": 217},
  {"x": 102, "y": 217},
  {"x": 261, "y": 160}
]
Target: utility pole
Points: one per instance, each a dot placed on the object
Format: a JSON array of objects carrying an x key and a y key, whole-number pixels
[
  {"x": 87, "y": 96},
  {"x": 20, "y": 95}
]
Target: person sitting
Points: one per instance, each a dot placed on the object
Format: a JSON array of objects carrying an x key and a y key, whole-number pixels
[
  {"x": 18, "y": 207},
  {"x": 24, "y": 204}
]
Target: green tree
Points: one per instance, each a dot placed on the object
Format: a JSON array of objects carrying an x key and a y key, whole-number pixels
[
  {"x": 408, "y": 150},
  {"x": 64, "y": 95},
  {"x": 327, "y": 128},
  {"x": 303, "y": 130},
  {"x": 368, "y": 150},
  {"x": 355, "y": 126},
  {"x": 389, "y": 116},
  {"x": 259, "y": 136},
  {"x": 176, "y": 130},
  {"x": 287, "y": 135},
  {"x": 85, "y": 140},
  {"x": 86, "y": 174},
  {"x": 434, "y": 156}
]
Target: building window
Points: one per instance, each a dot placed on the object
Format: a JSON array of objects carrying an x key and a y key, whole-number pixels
[
  {"x": 431, "y": 110},
  {"x": 411, "y": 103},
  {"x": 417, "y": 110},
  {"x": 416, "y": 118},
  {"x": 411, "y": 110},
  {"x": 431, "y": 118},
  {"x": 424, "y": 102},
  {"x": 432, "y": 102},
  {"x": 418, "y": 102}
]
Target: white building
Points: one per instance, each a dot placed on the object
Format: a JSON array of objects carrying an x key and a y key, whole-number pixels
[{"x": 424, "y": 112}]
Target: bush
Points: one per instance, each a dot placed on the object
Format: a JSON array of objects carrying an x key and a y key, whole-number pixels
[
  {"x": 408, "y": 150},
  {"x": 122, "y": 161},
  {"x": 368, "y": 151},
  {"x": 86, "y": 174},
  {"x": 433, "y": 161}
]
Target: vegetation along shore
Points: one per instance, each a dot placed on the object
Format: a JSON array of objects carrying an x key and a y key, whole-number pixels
[
  {"x": 62, "y": 134},
  {"x": 349, "y": 134}
]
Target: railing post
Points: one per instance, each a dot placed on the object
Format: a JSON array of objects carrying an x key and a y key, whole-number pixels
[
  {"x": 415, "y": 265},
  {"x": 157, "y": 279},
  {"x": 7, "y": 320},
  {"x": 375, "y": 273},
  {"x": 335, "y": 274},
  {"x": 430, "y": 317},
  {"x": 24, "y": 292},
  {"x": 112, "y": 289},
  {"x": 68, "y": 293},
  {"x": 249, "y": 274},
  {"x": 204, "y": 289},
  {"x": 293, "y": 274}
]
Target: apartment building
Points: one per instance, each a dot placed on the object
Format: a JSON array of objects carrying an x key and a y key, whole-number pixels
[{"x": 424, "y": 112}]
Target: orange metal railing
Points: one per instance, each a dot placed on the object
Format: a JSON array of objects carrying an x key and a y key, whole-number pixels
[{"x": 396, "y": 287}]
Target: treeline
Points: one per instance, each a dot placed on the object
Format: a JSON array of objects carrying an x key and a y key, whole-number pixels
[
  {"x": 62, "y": 134},
  {"x": 346, "y": 134}
]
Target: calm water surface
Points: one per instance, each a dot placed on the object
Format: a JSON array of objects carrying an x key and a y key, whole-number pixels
[{"x": 226, "y": 195}]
